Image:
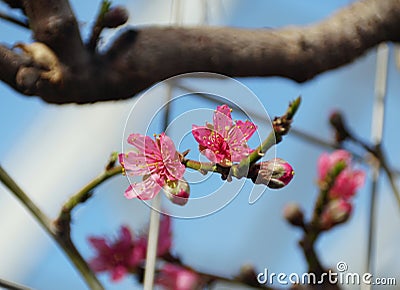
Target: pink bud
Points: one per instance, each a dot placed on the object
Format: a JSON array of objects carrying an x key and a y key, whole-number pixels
[
  {"x": 275, "y": 173},
  {"x": 336, "y": 212},
  {"x": 177, "y": 191}
]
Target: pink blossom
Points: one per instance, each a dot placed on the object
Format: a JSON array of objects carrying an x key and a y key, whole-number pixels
[
  {"x": 173, "y": 277},
  {"x": 224, "y": 141},
  {"x": 164, "y": 240},
  {"x": 114, "y": 257},
  {"x": 327, "y": 161},
  {"x": 126, "y": 253},
  {"x": 348, "y": 180},
  {"x": 157, "y": 161},
  {"x": 347, "y": 183}
]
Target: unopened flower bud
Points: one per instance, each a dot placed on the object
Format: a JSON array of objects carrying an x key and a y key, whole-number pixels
[
  {"x": 177, "y": 191},
  {"x": 275, "y": 173},
  {"x": 115, "y": 17},
  {"x": 336, "y": 212},
  {"x": 293, "y": 214}
]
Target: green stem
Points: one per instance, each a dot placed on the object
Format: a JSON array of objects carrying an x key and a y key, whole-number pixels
[
  {"x": 259, "y": 152},
  {"x": 83, "y": 194},
  {"x": 98, "y": 26},
  {"x": 281, "y": 126},
  {"x": 65, "y": 244},
  {"x": 200, "y": 166}
]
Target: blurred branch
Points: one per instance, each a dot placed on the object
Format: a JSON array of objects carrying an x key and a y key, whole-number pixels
[
  {"x": 63, "y": 220},
  {"x": 98, "y": 25},
  {"x": 247, "y": 275},
  {"x": 14, "y": 3},
  {"x": 14, "y": 20},
  {"x": 297, "y": 53},
  {"x": 312, "y": 229},
  {"x": 343, "y": 133},
  {"x": 66, "y": 244},
  {"x": 26, "y": 201},
  {"x": 11, "y": 285}
]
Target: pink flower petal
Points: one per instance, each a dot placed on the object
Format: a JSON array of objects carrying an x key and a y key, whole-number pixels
[
  {"x": 170, "y": 158},
  {"x": 125, "y": 237},
  {"x": 201, "y": 134},
  {"x": 118, "y": 273},
  {"x": 237, "y": 144},
  {"x": 222, "y": 120},
  {"x": 212, "y": 144},
  {"x": 134, "y": 163},
  {"x": 323, "y": 165},
  {"x": 145, "y": 145},
  {"x": 98, "y": 264},
  {"x": 327, "y": 161},
  {"x": 144, "y": 190},
  {"x": 99, "y": 244},
  {"x": 347, "y": 183},
  {"x": 138, "y": 252},
  {"x": 248, "y": 128}
]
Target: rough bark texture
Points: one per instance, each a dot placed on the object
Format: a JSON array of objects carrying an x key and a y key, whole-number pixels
[{"x": 139, "y": 58}]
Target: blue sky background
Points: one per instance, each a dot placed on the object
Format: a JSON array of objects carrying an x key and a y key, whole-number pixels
[{"x": 238, "y": 234}]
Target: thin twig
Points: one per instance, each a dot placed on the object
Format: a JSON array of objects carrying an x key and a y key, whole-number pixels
[
  {"x": 14, "y": 20},
  {"x": 98, "y": 25},
  {"x": 65, "y": 244},
  {"x": 82, "y": 195},
  {"x": 6, "y": 179},
  {"x": 12, "y": 285}
]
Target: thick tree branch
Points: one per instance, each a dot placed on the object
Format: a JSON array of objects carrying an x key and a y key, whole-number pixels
[
  {"x": 54, "y": 23},
  {"x": 10, "y": 63},
  {"x": 139, "y": 58},
  {"x": 14, "y": 3}
]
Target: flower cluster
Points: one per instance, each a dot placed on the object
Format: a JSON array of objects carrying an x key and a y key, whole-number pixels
[
  {"x": 345, "y": 185},
  {"x": 224, "y": 141},
  {"x": 127, "y": 252}
]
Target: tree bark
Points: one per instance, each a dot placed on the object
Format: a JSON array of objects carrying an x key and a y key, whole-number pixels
[{"x": 139, "y": 58}]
